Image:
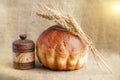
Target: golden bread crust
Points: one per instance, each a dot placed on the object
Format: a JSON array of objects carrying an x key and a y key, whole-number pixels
[{"x": 60, "y": 50}]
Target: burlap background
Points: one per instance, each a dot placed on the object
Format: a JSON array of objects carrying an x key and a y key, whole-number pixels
[{"x": 96, "y": 18}]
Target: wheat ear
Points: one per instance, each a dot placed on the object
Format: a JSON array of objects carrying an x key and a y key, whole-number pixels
[{"x": 71, "y": 25}]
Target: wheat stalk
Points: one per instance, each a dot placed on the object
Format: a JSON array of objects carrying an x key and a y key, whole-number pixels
[{"x": 71, "y": 25}]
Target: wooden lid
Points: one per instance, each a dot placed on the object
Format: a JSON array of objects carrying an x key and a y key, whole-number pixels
[{"x": 23, "y": 44}]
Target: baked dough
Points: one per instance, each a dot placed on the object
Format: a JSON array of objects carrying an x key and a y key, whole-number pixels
[{"x": 58, "y": 49}]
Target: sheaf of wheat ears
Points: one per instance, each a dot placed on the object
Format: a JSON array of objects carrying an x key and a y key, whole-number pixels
[{"x": 71, "y": 25}]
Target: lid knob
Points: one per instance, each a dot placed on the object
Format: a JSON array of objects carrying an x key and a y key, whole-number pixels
[{"x": 22, "y": 36}]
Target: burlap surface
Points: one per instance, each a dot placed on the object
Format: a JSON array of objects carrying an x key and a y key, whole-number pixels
[{"x": 16, "y": 17}]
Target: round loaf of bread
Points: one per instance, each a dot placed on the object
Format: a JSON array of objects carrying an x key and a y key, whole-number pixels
[{"x": 58, "y": 49}]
